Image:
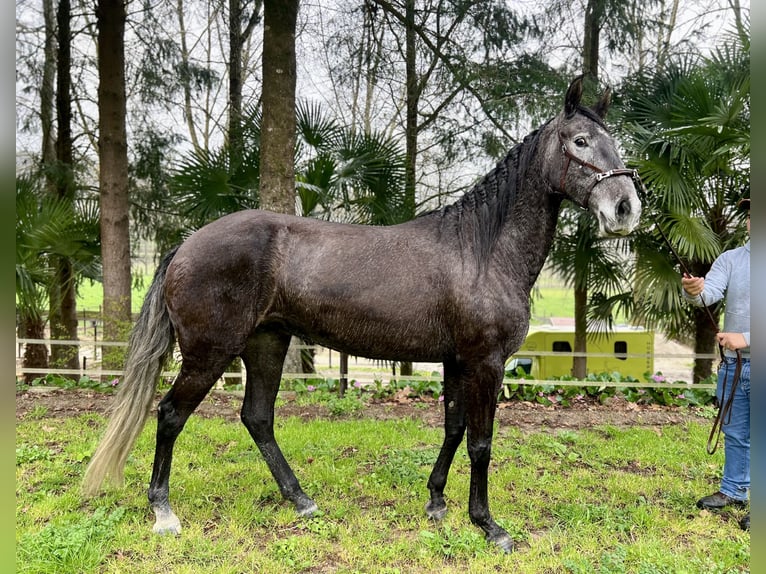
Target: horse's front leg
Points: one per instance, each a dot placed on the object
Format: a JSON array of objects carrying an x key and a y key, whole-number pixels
[
  {"x": 454, "y": 429},
  {"x": 481, "y": 400}
]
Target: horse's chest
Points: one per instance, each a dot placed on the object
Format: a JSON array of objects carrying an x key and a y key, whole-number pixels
[{"x": 493, "y": 322}]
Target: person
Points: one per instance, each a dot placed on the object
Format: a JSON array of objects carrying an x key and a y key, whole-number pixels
[{"x": 729, "y": 277}]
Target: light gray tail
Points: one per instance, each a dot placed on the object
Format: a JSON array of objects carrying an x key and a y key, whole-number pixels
[{"x": 151, "y": 343}]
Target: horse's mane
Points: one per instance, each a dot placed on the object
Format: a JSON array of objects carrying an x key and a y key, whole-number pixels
[{"x": 480, "y": 214}]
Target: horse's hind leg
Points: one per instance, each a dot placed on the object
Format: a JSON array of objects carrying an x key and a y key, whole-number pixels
[
  {"x": 264, "y": 357},
  {"x": 454, "y": 429},
  {"x": 190, "y": 387}
]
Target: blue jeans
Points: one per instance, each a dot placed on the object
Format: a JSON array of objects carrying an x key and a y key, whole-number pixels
[{"x": 736, "y": 469}]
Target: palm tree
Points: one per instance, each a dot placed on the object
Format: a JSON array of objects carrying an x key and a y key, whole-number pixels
[
  {"x": 341, "y": 175},
  {"x": 48, "y": 227},
  {"x": 688, "y": 129},
  {"x": 344, "y": 175},
  {"x": 208, "y": 184}
]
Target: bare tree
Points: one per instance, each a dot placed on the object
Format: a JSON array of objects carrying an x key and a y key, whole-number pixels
[
  {"x": 113, "y": 172},
  {"x": 238, "y": 35},
  {"x": 62, "y": 293},
  {"x": 277, "y": 184},
  {"x": 32, "y": 324}
]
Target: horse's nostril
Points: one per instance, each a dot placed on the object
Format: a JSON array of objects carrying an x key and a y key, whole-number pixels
[{"x": 623, "y": 208}]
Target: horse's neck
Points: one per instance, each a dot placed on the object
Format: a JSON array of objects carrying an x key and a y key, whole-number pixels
[
  {"x": 527, "y": 238},
  {"x": 534, "y": 216}
]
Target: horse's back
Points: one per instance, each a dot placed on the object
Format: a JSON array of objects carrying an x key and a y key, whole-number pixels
[{"x": 371, "y": 290}]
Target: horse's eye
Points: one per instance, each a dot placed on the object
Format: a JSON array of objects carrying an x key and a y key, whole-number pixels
[{"x": 581, "y": 142}]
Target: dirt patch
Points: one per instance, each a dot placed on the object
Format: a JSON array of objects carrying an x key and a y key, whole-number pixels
[{"x": 523, "y": 415}]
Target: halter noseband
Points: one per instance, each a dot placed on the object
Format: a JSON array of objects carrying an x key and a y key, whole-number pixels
[{"x": 600, "y": 174}]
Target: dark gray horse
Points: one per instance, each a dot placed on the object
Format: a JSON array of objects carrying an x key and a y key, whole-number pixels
[{"x": 451, "y": 286}]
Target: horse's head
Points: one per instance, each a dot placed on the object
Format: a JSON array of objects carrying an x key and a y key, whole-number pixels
[{"x": 585, "y": 166}]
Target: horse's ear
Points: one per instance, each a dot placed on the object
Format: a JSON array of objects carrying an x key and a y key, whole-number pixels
[
  {"x": 602, "y": 106},
  {"x": 572, "y": 99}
]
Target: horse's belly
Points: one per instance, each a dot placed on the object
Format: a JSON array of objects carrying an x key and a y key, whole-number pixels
[{"x": 375, "y": 336}]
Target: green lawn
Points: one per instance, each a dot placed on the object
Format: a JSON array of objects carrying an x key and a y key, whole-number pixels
[
  {"x": 552, "y": 302},
  {"x": 90, "y": 295},
  {"x": 604, "y": 500}
]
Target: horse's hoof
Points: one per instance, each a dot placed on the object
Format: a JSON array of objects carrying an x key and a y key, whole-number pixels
[
  {"x": 166, "y": 521},
  {"x": 436, "y": 511},
  {"x": 503, "y": 540},
  {"x": 170, "y": 527},
  {"x": 307, "y": 509}
]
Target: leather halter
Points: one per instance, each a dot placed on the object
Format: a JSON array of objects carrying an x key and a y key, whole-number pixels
[{"x": 599, "y": 173}]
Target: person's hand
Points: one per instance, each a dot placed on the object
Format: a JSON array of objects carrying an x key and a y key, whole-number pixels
[
  {"x": 692, "y": 285},
  {"x": 731, "y": 341}
]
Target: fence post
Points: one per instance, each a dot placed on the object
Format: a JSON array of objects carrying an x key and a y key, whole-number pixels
[{"x": 343, "y": 383}]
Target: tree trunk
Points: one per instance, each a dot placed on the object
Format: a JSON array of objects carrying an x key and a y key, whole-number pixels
[
  {"x": 663, "y": 47},
  {"x": 590, "y": 56},
  {"x": 62, "y": 295},
  {"x": 63, "y": 317},
  {"x": 235, "y": 81},
  {"x": 594, "y": 12},
  {"x": 413, "y": 96},
  {"x": 47, "y": 89},
  {"x": 187, "y": 88},
  {"x": 35, "y": 355},
  {"x": 277, "y": 184},
  {"x": 411, "y": 129},
  {"x": 704, "y": 344},
  {"x": 580, "y": 364},
  {"x": 113, "y": 177},
  {"x": 343, "y": 380}
]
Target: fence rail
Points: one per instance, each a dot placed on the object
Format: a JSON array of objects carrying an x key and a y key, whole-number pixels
[{"x": 371, "y": 371}]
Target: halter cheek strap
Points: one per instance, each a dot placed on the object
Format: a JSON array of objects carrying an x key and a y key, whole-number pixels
[{"x": 599, "y": 173}]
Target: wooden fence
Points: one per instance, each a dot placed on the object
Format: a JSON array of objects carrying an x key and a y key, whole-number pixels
[{"x": 328, "y": 365}]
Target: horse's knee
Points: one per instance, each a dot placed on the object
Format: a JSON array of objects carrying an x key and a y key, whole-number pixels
[
  {"x": 479, "y": 451},
  {"x": 454, "y": 434},
  {"x": 261, "y": 428},
  {"x": 169, "y": 421}
]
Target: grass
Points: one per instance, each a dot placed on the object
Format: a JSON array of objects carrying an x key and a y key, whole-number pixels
[
  {"x": 90, "y": 294},
  {"x": 552, "y": 302},
  {"x": 606, "y": 500}
]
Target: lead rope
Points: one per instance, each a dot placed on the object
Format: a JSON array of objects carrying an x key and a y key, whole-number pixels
[{"x": 723, "y": 416}]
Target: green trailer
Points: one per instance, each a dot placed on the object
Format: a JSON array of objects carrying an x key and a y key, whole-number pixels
[{"x": 547, "y": 352}]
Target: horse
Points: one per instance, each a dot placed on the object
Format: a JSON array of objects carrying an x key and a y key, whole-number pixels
[{"x": 450, "y": 286}]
